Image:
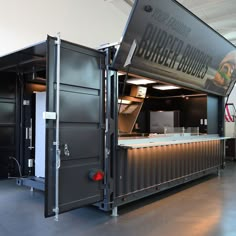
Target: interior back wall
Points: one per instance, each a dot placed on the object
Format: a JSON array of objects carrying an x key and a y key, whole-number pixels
[{"x": 191, "y": 111}]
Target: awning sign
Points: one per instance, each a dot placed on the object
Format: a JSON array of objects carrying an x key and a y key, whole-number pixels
[{"x": 175, "y": 46}]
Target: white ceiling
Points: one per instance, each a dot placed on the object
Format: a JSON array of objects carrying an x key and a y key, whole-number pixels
[
  {"x": 91, "y": 22},
  {"x": 219, "y": 14}
]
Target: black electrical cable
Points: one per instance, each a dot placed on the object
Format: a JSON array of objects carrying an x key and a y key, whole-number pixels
[
  {"x": 18, "y": 164},
  {"x": 124, "y": 85}
]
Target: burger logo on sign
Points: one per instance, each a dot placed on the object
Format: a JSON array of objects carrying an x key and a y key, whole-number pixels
[{"x": 225, "y": 73}]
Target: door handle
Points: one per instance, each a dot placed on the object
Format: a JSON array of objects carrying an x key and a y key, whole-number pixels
[
  {"x": 31, "y": 135},
  {"x": 66, "y": 150}
]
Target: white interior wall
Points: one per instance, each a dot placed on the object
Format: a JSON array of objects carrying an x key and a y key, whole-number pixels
[
  {"x": 40, "y": 136},
  {"x": 87, "y": 22},
  {"x": 232, "y": 96}
]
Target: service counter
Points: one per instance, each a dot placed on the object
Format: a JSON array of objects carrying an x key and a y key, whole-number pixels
[
  {"x": 146, "y": 165},
  {"x": 163, "y": 140}
]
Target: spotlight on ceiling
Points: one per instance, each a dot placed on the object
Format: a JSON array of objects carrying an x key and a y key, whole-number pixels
[
  {"x": 137, "y": 81},
  {"x": 124, "y": 101},
  {"x": 165, "y": 87}
]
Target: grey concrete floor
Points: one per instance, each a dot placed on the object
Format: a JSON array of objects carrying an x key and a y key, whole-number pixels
[{"x": 203, "y": 207}]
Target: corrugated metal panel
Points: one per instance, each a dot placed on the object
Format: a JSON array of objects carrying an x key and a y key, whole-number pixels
[{"x": 143, "y": 168}]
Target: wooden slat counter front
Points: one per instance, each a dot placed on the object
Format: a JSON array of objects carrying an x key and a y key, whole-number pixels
[{"x": 148, "y": 165}]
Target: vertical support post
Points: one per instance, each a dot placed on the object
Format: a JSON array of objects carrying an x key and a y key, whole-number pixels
[
  {"x": 58, "y": 152},
  {"x": 115, "y": 212},
  {"x": 183, "y": 130},
  {"x": 110, "y": 131},
  {"x": 107, "y": 124},
  {"x": 221, "y": 126},
  {"x": 165, "y": 130}
]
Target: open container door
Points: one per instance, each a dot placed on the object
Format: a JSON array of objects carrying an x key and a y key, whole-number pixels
[{"x": 74, "y": 126}]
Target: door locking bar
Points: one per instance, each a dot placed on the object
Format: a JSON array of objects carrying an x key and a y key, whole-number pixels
[{"x": 57, "y": 144}]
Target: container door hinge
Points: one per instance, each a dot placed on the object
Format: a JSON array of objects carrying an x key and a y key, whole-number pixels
[
  {"x": 49, "y": 115},
  {"x": 103, "y": 126},
  {"x": 102, "y": 66},
  {"x": 103, "y": 186},
  {"x": 26, "y": 102}
]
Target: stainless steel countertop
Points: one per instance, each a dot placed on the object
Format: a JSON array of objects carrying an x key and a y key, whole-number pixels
[{"x": 140, "y": 142}]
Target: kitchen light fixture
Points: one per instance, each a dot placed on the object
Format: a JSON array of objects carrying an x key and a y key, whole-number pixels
[
  {"x": 124, "y": 101},
  {"x": 120, "y": 73},
  {"x": 138, "y": 81},
  {"x": 165, "y": 87}
]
